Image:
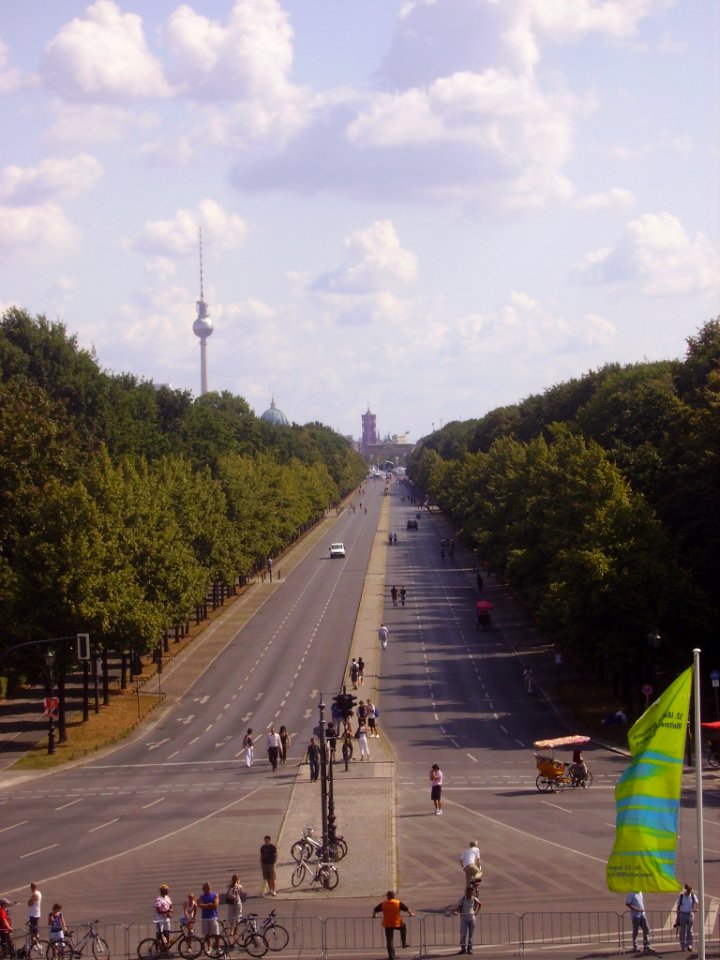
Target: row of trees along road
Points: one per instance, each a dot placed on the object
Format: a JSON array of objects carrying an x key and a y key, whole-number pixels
[
  {"x": 599, "y": 502},
  {"x": 123, "y": 504}
]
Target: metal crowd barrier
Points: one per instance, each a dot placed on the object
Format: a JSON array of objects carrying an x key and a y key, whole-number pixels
[{"x": 438, "y": 934}]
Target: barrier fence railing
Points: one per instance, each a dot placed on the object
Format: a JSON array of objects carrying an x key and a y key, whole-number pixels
[{"x": 435, "y": 934}]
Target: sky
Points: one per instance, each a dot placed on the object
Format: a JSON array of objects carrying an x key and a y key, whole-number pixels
[{"x": 425, "y": 208}]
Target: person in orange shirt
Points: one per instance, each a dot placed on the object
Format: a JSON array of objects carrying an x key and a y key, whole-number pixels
[{"x": 391, "y": 908}]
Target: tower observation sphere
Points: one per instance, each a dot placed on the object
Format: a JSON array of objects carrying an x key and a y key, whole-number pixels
[{"x": 202, "y": 327}]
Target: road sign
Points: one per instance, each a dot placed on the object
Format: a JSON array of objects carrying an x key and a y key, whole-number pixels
[
  {"x": 715, "y": 674},
  {"x": 646, "y": 689},
  {"x": 51, "y": 706}
]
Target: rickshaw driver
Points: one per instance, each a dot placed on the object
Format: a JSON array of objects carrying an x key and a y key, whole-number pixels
[
  {"x": 470, "y": 859},
  {"x": 578, "y": 768}
]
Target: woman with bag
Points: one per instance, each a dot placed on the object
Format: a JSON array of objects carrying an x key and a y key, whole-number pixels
[{"x": 233, "y": 899}]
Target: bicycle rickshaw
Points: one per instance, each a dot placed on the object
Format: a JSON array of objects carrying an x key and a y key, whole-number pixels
[{"x": 555, "y": 775}]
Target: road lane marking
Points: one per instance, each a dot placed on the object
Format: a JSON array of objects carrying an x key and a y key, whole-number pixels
[
  {"x": 69, "y": 804},
  {"x": 556, "y": 805},
  {"x": 20, "y": 823},
  {"x": 152, "y": 803},
  {"x": 108, "y": 823},
  {"x": 454, "y": 741},
  {"x": 41, "y": 850},
  {"x": 474, "y": 759},
  {"x": 174, "y": 754},
  {"x": 505, "y": 826},
  {"x": 149, "y": 843}
]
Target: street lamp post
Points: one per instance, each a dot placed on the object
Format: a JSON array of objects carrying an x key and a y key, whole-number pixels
[{"x": 50, "y": 663}]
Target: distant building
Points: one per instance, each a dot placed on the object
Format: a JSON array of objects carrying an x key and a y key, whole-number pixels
[
  {"x": 275, "y": 416},
  {"x": 369, "y": 431}
]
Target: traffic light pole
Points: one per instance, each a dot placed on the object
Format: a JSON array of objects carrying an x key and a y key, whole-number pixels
[{"x": 323, "y": 782}]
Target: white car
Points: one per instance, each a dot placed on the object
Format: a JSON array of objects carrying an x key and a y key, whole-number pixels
[{"x": 337, "y": 550}]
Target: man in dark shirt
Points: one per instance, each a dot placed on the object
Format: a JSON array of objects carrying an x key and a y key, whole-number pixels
[{"x": 268, "y": 859}]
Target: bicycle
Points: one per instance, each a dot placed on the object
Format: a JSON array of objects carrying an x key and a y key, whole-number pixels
[
  {"x": 245, "y": 938},
  {"x": 274, "y": 933},
  {"x": 325, "y": 874},
  {"x": 308, "y": 846},
  {"x": 30, "y": 946},
  {"x": 67, "y": 948},
  {"x": 713, "y": 757},
  {"x": 188, "y": 946}
]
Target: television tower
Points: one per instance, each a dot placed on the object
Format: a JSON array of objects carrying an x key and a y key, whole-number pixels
[{"x": 202, "y": 327}]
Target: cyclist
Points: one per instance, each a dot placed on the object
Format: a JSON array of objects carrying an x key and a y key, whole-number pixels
[
  {"x": 383, "y": 633},
  {"x": 163, "y": 912},
  {"x": 470, "y": 859}
]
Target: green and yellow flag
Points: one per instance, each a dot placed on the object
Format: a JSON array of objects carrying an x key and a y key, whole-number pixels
[{"x": 647, "y": 796}]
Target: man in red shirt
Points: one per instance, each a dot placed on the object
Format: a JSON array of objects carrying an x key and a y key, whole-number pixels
[
  {"x": 6, "y": 926},
  {"x": 391, "y": 908}
]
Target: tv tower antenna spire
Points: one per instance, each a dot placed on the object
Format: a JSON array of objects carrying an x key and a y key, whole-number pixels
[{"x": 202, "y": 327}]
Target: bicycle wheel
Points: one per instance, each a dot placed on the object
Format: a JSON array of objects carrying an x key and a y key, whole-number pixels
[
  {"x": 218, "y": 947},
  {"x": 328, "y": 877},
  {"x": 189, "y": 946},
  {"x": 255, "y": 944},
  {"x": 302, "y": 850},
  {"x": 342, "y": 845},
  {"x": 59, "y": 950},
  {"x": 713, "y": 759},
  {"x": 100, "y": 949},
  {"x": 588, "y": 780},
  {"x": 557, "y": 784},
  {"x": 148, "y": 949},
  {"x": 542, "y": 783},
  {"x": 298, "y": 874},
  {"x": 36, "y": 949},
  {"x": 276, "y": 936}
]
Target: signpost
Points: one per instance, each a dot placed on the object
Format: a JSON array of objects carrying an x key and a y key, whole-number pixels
[
  {"x": 647, "y": 693},
  {"x": 715, "y": 680}
]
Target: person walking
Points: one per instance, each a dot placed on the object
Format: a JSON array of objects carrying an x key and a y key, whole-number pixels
[
  {"x": 274, "y": 745},
  {"x": 163, "y": 912},
  {"x": 208, "y": 903},
  {"x": 391, "y": 908},
  {"x": 34, "y": 911},
  {"x": 233, "y": 900},
  {"x": 331, "y": 737},
  {"x": 636, "y": 906},
  {"x": 284, "y": 743},
  {"x": 403, "y": 596},
  {"x": 687, "y": 904},
  {"x": 394, "y": 595},
  {"x": 354, "y": 673},
  {"x": 249, "y": 745},
  {"x": 383, "y": 633},
  {"x": 269, "y": 566},
  {"x": 372, "y": 719},
  {"x": 436, "y": 779},
  {"x": 467, "y": 908},
  {"x": 361, "y": 737},
  {"x": 268, "y": 859},
  {"x": 361, "y": 671},
  {"x": 312, "y": 756},
  {"x": 480, "y": 582}
]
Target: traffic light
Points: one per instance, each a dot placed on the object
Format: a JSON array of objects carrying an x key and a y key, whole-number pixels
[{"x": 83, "y": 646}]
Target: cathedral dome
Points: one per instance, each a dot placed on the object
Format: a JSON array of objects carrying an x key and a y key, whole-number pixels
[{"x": 275, "y": 416}]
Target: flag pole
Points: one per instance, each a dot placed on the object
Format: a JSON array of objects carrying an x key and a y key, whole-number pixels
[{"x": 699, "y": 809}]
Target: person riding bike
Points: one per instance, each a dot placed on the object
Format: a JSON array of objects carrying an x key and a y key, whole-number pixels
[
  {"x": 470, "y": 860},
  {"x": 578, "y": 768},
  {"x": 383, "y": 634}
]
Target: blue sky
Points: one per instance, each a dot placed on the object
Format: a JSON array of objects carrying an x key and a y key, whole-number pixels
[{"x": 431, "y": 207}]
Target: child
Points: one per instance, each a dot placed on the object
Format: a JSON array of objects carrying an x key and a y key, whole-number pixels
[{"x": 57, "y": 923}]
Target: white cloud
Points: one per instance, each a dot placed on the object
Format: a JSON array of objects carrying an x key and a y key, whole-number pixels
[
  {"x": 375, "y": 260},
  {"x": 54, "y": 177},
  {"x": 656, "y": 254},
  {"x": 177, "y": 152},
  {"x": 179, "y": 236},
  {"x": 94, "y": 123},
  {"x": 527, "y": 328},
  {"x": 567, "y": 20},
  {"x": 103, "y": 56},
  {"x": 42, "y": 230},
  {"x": 613, "y": 199},
  {"x": 10, "y": 77}
]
